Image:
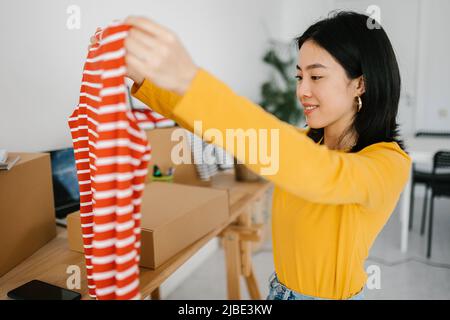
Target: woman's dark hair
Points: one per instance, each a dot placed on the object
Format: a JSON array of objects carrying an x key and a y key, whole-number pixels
[{"x": 362, "y": 48}]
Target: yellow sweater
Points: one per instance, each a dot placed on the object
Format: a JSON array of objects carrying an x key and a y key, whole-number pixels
[{"x": 328, "y": 205}]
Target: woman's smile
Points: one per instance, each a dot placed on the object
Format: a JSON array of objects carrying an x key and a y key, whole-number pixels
[{"x": 309, "y": 109}]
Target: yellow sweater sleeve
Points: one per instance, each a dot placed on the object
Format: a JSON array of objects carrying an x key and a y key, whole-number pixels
[
  {"x": 158, "y": 99},
  {"x": 373, "y": 177}
]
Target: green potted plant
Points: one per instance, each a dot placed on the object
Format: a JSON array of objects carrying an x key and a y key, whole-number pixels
[{"x": 281, "y": 99}]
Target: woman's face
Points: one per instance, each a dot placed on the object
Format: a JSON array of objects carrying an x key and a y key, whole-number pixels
[{"x": 322, "y": 82}]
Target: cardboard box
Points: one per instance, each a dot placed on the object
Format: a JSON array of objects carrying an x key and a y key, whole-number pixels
[
  {"x": 173, "y": 217},
  {"x": 27, "y": 214},
  {"x": 162, "y": 146}
]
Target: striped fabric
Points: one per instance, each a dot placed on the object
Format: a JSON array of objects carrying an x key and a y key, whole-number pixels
[
  {"x": 144, "y": 119},
  {"x": 224, "y": 159},
  {"x": 112, "y": 155},
  {"x": 204, "y": 155},
  {"x": 148, "y": 119}
]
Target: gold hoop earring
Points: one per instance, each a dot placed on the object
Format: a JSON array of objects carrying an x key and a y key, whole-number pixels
[{"x": 359, "y": 103}]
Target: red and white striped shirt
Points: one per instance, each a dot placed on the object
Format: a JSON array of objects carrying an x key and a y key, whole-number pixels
[
  {"x": 148, "y": 119},
  {"x": 112, "y": 155}
]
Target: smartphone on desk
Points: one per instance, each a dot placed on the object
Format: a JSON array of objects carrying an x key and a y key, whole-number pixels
[{"x": 39, "y": 290}]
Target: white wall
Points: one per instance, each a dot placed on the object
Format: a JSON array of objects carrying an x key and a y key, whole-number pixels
[
  {"x": 419, "y": 32},
  {"x": 41, "y": 60},
  {"x": 298, "y": 15},
  {"x": 433, "y": 81}
]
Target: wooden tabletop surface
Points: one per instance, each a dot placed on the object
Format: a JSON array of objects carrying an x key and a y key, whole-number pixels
[{"x": 53, "y": 261}]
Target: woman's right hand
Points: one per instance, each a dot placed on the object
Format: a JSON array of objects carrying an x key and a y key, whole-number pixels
[{"x": 133, "y": 74}]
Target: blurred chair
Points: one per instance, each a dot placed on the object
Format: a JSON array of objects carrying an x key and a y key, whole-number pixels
[
  {"x": 440, "y": 187},
  {"x": 419, "y": 177}
]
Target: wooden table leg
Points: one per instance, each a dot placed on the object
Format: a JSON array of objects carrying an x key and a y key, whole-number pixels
[
  {"x": 233, "y": 261},
  {"x": 246, "y": 254},
  {"x": 237, "y": 240},
  {"x": 245, "y": 220},
  {"x": 155, "y": 295},
  {"x": 252, "y": 286}
]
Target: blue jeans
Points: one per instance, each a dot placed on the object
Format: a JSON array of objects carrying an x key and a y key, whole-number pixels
[{"x": 280, "y": 292}]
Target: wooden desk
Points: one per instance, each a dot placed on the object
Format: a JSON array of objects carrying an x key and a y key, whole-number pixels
[{"x": 50, "y": 263}]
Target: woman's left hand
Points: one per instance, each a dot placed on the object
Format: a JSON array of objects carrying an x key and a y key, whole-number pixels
[{"x": 158, "y": 55}]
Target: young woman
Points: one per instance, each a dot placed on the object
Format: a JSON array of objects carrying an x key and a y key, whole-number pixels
[{"x": 337, "y": 182}]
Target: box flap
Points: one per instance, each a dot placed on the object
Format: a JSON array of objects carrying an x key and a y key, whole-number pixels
[{"x": 27, "y": 157}]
